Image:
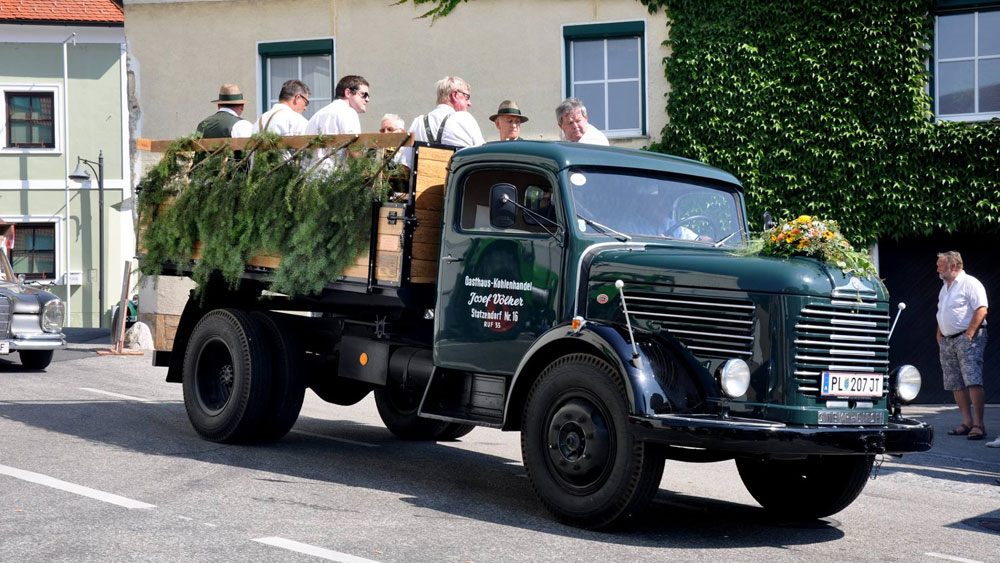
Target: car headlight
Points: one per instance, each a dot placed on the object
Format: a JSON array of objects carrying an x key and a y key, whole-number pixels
[
  {"x": 907, "y": 383},
  {"x": 734, "y": 378},
  {"x": 53, "y": 314}
]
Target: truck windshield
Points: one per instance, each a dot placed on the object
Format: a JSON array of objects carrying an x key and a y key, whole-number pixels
[{"x": 657, "y": 205}]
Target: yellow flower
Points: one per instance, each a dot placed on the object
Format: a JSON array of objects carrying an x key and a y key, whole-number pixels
[{"x": 803, "y": 219}]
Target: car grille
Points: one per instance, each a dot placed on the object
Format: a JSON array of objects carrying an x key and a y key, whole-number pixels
[
  {"x": 6, "y": 311},
  {"x": 709, "y": 327},
  {"x": 844, "y": 335}
]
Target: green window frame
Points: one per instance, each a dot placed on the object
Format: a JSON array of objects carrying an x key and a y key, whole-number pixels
[
  {"x": 966, "y": 69},
  {"x": 309, "y": 60},
  {"x": 34, "y": 251},
  {"x": 605, "y": 66},
  {"x": 30, "y": 119}
]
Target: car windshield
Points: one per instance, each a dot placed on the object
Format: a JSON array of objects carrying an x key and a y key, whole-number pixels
[{"x": 649, "y": 204}]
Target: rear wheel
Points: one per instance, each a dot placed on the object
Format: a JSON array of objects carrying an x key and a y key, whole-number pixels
[
  {"x": 583, "y": 463},
  {"x": 814, "y": 487},
  {"x": 35, "y": 359},
  {"x": 288, "y": 385},
  {"x": 397, "y": 406},
  {"x": 227, "y": 376}
]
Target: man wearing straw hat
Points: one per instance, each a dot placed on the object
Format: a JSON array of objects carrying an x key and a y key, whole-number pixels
[
  {"x": 226, "y": 122},
  {"x": 508, "y": 120}
]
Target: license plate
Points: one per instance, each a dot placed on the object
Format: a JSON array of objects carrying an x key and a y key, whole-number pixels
[
  {"x": 848, "y": 417},
  {"x": 851, "y": 384},
  {"x": 4, "y": 347}
]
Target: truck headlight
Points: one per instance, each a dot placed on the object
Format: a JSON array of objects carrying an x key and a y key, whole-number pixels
[
  {"x": 53, "y": 314},
  {"x": 734, "y": 378},
  {"x": 907, "y": 383}
]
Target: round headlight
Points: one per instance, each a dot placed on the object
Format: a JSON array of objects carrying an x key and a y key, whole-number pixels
[
  {"x": 734, "y": 377},
  {"x": 53, "y": 314},
  {"x": 907, "y": 383}
]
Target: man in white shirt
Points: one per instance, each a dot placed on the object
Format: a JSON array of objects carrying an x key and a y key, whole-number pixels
[
  {"x": 340, "y": 117},
  {"x": 571, "y": 115},
  {"x": 449, "y": 123},
  {"x": 285, "y": 117},
  {"x": 961, "y": 337}
]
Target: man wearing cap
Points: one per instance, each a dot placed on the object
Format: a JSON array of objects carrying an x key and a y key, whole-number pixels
[
  {"x": 285, "y": 117},
  {"x": 508, "y": 120},
  {"x": 571, "y": 116},
  {"x": 226, "y": 122}
]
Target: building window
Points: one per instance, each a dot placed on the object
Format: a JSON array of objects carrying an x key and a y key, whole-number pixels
[
  {"x": 34, "y": 251},
  {"x": 310, "y": 61},
  {"x": 30, "y": 119},
  {"x": 606, "y": 69},
  {"x": 967, "y": 65}
]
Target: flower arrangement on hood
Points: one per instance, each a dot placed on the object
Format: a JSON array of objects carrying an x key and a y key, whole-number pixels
[{"x": 814, "y": 237}]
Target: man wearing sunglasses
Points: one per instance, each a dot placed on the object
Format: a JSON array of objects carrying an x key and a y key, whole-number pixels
[
  {"x": 285, "y": 117},
  {"x": 340, "y": 117},
  {"x": 449, "y": 123}
]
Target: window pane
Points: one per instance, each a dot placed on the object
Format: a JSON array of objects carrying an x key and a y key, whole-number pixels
[
  {"x": 588, "y": 60},
  {"x": 20, "y": 106},
  {"x": 955, "y": 88},
  {"x": 592, "y": 96},
  {"x": 955, "y": 36},
  {"x": 316, "y": 74},
  {"x": 44, "y": 239},
  {"x": 989, "y": 85},
  {"x": 623, "y": 105},
  {"x": 623, "y": 58},
  {"x": 19, "y": 133},
  {"x": 989, "y": 33},
  {"x": 282, "y": 69},
  {"x": 45, "y": 107}
]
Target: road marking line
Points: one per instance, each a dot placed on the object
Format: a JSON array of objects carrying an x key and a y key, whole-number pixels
[
  {"x": 119, "y": 395},
  {"x": 345, "y": 440},
  {"x": 72, "y": 488},
  {"x": 313, "y": 550},
  {"x": 952, "y": 558}
]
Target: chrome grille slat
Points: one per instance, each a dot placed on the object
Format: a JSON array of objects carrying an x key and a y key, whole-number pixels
[
  {"x": 708, "y": 326},
  {"x": 840, "y": 335},
  {"x": 6, "y": 311}
]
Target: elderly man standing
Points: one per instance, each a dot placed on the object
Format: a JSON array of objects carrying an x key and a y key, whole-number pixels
[
  {"x": 226, "y": 122},
  {"x": 285, "y": 117},
  {"x": 961, "y": 337},
  {"x": 571, "y": 115},
  {"x": 508, "y": 120},
  {"x": 449, "y": 123},
  {"x": 340, "y": 117}
]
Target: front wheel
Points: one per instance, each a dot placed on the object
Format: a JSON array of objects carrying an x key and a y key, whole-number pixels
[
  {"x": 582, "y": 461},
  {"x": 35, "y": 359},
  {"x": 814, "y": 487}
]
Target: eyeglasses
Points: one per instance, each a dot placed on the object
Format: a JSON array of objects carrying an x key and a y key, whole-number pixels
[
  {"x": 304, "y": 99},
  {"x": 364, "y": 95},
  {"x": 467, "y": 95}
]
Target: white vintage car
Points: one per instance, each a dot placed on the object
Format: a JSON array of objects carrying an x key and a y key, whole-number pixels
[{"x": 31, "y": 320}]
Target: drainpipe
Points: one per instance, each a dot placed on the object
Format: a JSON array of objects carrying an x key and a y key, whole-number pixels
[{"x": 65, "y": 116}]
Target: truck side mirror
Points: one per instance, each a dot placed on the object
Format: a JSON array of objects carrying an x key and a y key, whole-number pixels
[
  {"x": 769, "y": 221},
  {"x": 503, "y": 211}
]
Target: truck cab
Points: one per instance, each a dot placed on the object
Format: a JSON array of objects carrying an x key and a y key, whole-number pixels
[{"x": 601, "y": 302}]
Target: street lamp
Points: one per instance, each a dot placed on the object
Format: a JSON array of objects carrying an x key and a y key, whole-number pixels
[{"x": 81, "y": 175}]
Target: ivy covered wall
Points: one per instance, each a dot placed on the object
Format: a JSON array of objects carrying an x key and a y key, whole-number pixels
[{"x": 822, "y": 108}]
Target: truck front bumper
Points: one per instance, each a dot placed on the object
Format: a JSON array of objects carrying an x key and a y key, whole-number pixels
[
  {"x": 38, "y": 341},
  {"x": 751, "y": 436}
]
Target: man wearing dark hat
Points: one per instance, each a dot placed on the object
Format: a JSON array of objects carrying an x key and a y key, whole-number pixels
[
  {"x": 508, "y": 120},
  {"x": 226, "y": 122}
]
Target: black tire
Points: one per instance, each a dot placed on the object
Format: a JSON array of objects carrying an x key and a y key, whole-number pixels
[
  {"x": 227, "y": 376},
  {"x": 398, "y": 409},
  {"x": 288, "y": 385},
  {"x": 582, "y": 461},
  {"x": 810, "y": 488},
  {"x": 35, "y": 359}
]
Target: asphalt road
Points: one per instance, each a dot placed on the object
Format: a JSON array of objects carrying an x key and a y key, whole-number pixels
[{"x": 98, "y": 463}]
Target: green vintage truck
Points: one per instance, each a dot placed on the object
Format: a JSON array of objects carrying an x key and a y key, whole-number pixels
[{"x": 591, "y": 298}]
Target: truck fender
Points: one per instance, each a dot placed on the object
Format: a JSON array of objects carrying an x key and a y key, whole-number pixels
[{"x": 658, "y": 381}]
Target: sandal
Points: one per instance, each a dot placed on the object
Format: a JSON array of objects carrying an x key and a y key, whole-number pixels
[
  {"x": 962, "y": 430},
  {"x": 977, "y": 435}
]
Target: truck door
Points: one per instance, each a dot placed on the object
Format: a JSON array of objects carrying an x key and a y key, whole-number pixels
[{"x": 498, "y": 279}]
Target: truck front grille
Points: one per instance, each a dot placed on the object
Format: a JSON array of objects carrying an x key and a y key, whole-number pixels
[
  {"x": 840, "y": 335},
  {"x": 709, "y": 327},
  {"x": 6, "y": 312}
]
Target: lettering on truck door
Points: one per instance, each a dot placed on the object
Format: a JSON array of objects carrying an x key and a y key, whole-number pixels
[{"x": 498, "y": 284}]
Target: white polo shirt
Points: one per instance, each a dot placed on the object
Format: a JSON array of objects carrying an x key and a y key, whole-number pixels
[{"x": 958, "y": 303}]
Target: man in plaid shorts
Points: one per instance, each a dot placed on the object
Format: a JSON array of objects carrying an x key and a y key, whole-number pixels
[{"x": 961, "y": 336}]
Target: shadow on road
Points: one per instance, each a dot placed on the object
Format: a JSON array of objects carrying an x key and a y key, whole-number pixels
[{"x": 434, "y": 476}]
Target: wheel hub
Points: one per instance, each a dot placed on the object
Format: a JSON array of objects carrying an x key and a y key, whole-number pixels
[{"x": 578, "y": 442}]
